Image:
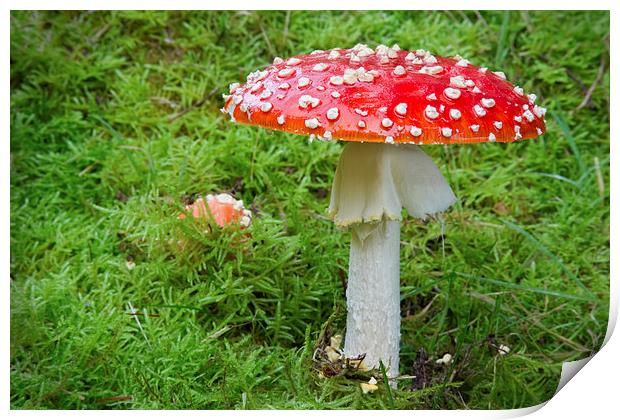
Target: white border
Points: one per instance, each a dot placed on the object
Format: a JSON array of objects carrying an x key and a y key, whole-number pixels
[
  {"x": 308, "y": 5},
  {"x": 592, "y": 394}
]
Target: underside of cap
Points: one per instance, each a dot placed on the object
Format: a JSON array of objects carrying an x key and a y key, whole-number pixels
[{"x": 374, "y": 181}]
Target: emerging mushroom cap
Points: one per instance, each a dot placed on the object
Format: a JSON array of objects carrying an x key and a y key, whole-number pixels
[
  {"x": 223, "y": 208},
  {"x": 385, "y": 95}
]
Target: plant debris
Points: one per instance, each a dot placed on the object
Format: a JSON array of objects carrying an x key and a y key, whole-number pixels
[{"x": 331, "y": 361}]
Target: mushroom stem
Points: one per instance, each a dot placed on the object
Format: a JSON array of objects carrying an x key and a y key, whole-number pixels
[
  {"x": 373, "y": 294},
  {"x": 373, "y": 183}
]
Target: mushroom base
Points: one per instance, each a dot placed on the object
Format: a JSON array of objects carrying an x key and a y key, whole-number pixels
[{"x": 373, "y": 295}]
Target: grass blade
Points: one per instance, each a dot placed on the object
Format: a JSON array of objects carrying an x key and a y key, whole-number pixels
[
  {"x": 444, "y": 313},
  {"x": 133, "y": 311},
  {"x": 558, "y": 177},
  {"x": 502, "y": 49},
  {"x": 386, "y": 383},
  {"x": 516, "y": 286},
  {"x": 571, "y": 140},
  {"x": 591, "y": 169},
  {"x": 542, "y": 248}
]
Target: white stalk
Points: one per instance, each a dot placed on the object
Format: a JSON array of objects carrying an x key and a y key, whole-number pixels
[
  {"x": 373, "y": 183},
  {"x": 373, "y": 294}
]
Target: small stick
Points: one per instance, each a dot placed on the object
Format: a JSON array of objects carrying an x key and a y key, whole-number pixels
[
  {"x": 193, "y": 106},
  {"x": 272, "y": 51},
  {"x": 143, "y": 314},
  {"x": 443, "y": 236},
  {"x": 592, "y": 88},
  {"x": 463, "y": 16},
  {"x": 568, "y": 71},
  {"x": 93, "y": 39},
  {"x": 528, "y": 20},
  {"x": 451, "y": 16},
  {"x": 481, "y": 18},
  {"x": 599, "y": 177},
  {"x": 117, "y": 398},
  {"x": 287, "y": 21}
]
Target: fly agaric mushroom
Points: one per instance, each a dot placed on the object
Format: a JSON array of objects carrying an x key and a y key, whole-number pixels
[
  {"x": 383, "y": 102},
  {"x": 223, "y": 208}
]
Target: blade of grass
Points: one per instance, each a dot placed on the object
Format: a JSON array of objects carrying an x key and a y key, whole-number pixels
[
  {"x": 133, "y": 311},
  {"x": 502, "y": 49},
  {"x": 386, "y": 384},
  {"x": 558, "y": 177},
  {"x": 579, "y": 183},
  {"x": 542, "y": 248},
  {"x": 107, "y": 125},
  {"x": 571, "y": 140},
  {"x": 444, "y": 313},
  {"x": 524, "y": 288},
  {"x": 591, "y": 169}
]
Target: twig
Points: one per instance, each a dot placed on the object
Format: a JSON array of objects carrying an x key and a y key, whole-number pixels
[
  {"x": 164, "y": 101},
  {"x": 528, "y": 20},
  {"x": 599, "y": 77},
  {"x": 194, "y": 105},
  {"x": 451, "y": 16},
  {"x": 481, "y": 18},
  {"x": 114, "y": 399},
  {"x": 463, "y": 16},
  {"x": 93, "y": 39},
  {"x": 568, "y": 71},
  {"x": 272, "y": 51},
  {"x": 87, "y": 169},
  {"x": 287, "y": 21},
  {"x": 422, "y": 313},
  {"x": 143, "y": 314},
  {"x": 576, "y": 346},
  {"x": 599, "y": 177}
]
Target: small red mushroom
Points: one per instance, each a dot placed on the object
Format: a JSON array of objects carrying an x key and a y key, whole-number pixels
[
  {"x": 223, "y": 208},
  {"x": 384, "y": 102}
]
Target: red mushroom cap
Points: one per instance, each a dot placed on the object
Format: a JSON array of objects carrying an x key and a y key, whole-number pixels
[
  {"x": 224, "y": 209},
  {"x": 385, "y": 95}
]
